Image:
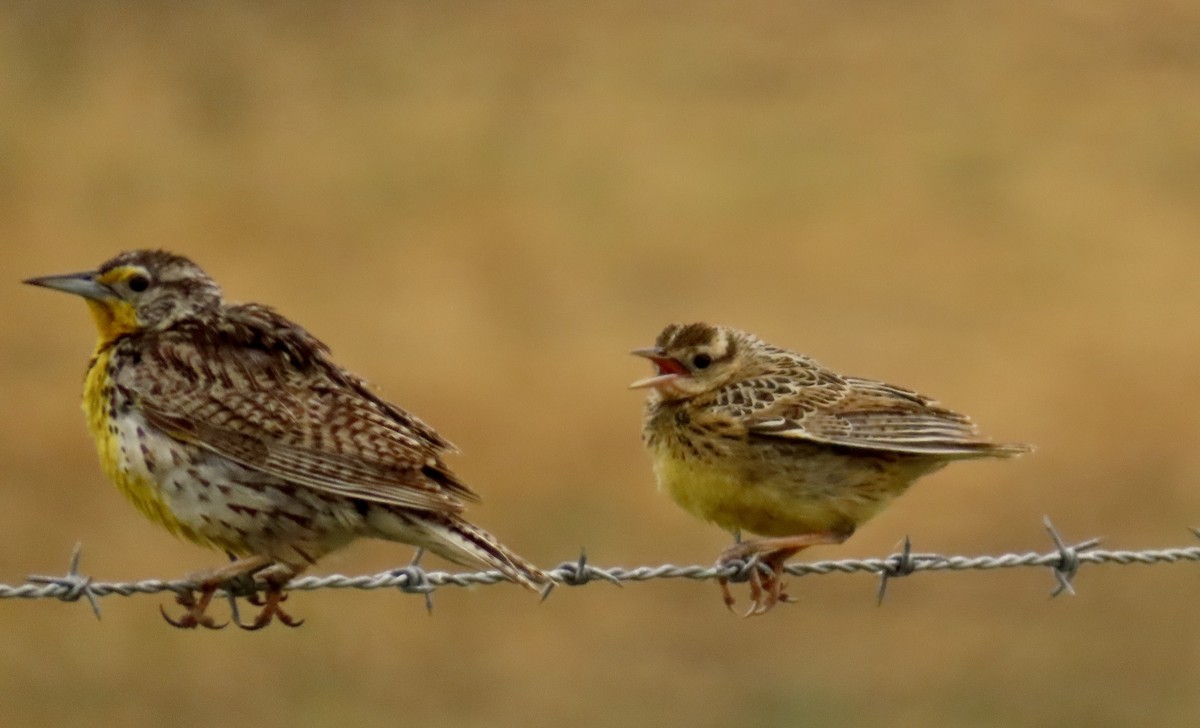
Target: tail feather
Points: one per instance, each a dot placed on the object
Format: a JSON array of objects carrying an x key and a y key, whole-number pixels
[
  {"x": 952, "y": 449},
  {"x": 1011, "y": 449},
  {"x": 457, "y": 540}
]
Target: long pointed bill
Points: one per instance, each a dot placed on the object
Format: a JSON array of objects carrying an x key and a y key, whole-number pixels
[
  {"x": 80, "y": 284},
  {"x": 668, "y": 368}
]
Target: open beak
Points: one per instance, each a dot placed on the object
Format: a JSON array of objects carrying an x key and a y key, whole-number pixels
[
  {"x": 81, "y": 284},
  {"x": 668, "y": 368}
]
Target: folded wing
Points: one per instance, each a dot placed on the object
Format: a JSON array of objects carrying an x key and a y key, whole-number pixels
[
  {"x": 865, "y": 414},
  {"x": 274, "y": 403}
]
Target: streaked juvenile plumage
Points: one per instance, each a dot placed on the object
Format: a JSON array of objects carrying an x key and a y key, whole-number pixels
[
  {"x": 230, "y": 426},
  {"x": 757, "y": 438}
]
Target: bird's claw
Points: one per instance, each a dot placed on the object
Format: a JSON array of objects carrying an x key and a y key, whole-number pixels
[
  {"x": 195, "y": 616},
  {"x": 766, "y": 587},
  {"x": 195, "y": 608},
  {"x": 766, "y": 590},
  {"x": 764, "y": 559},
  {"x": 271, "y": 610}
]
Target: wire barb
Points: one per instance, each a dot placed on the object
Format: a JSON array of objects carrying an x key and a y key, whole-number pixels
[
  {"x": 901, "y": 564},
  {"x": 1068, "y": 559},
  {"x": 75, "y": 584},
  {"x": 415, "y": 580},
  {"x": 575, "y": 573}
]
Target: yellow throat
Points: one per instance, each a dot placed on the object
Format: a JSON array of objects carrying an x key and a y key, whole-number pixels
[{"x": 113, "y": 318}]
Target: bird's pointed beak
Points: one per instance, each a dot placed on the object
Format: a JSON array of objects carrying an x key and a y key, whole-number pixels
[
  {"x": 80, "y": 284},
  {"x": 668, "y": 368}
]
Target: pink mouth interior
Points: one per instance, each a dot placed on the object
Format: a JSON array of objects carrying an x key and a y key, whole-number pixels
[{"x": 667, "y": 365}]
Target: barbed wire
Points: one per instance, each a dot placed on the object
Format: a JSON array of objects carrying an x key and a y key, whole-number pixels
[{"x": 1064, "y": 561}]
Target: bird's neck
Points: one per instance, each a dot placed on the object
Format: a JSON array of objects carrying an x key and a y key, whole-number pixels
[{"x": 113, "y": 319}]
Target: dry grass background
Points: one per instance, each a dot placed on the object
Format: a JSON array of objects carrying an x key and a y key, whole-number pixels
[{"x": 483, "y": 206}]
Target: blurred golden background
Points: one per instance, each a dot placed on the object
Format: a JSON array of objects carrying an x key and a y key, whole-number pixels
[{"x": 483, "y": 206}]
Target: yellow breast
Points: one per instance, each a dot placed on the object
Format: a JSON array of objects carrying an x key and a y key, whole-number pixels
[
  {"x": 768, "y": 505},
  {"x": 114, "y": 444}
]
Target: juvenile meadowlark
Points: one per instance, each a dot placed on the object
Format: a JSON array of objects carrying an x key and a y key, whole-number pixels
[
  {"x": 756, "y": 438},
  {"x": 229, "y": 425}
]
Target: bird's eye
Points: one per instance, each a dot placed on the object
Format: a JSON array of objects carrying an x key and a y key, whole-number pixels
[
  {"x": 701, "y": 361},
  {"x": 138, "y": 283}
]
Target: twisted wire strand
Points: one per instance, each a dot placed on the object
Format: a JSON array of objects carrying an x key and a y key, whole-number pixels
[{"x": 1064, "y": 561}]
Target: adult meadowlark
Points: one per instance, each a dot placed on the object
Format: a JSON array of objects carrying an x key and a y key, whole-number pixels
[
  {"x": 229, "y": 425},
  {"x": 756, "y": 438}
]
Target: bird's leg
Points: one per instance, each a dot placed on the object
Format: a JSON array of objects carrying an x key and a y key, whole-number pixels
[
  {"x": 766, "y": 589},
  {"x": 274, "y": 595},
  {"x": 208, "y": 582}
]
